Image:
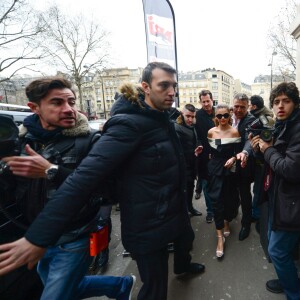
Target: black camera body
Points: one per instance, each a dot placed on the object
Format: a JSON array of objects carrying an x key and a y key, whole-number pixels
[
  {"x": 9, "y": 137},
  {"x": 261, "y": 127}
]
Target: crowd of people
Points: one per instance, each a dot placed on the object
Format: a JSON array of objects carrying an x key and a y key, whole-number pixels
[{"x": 154, "y": 161}]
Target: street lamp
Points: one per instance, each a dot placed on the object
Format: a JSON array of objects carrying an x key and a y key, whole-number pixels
[{"x": 271, "y": 65}]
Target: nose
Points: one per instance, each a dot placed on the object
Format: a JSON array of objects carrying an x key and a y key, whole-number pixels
[{"x": 67, "y": 107}]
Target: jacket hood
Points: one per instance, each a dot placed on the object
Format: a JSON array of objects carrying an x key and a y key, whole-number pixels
[
  {"x": 81, "y": 127},
  {"x": 262, "y": 111}
]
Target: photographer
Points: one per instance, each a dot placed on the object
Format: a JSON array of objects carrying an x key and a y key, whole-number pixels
[
  {"x": 281, "y": 186},
  {"x": 53, "y": 142},
  {"x": 257, "y": 109}
]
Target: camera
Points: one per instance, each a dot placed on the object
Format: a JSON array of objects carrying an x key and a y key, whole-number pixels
[
  {"x": 261, "y": 127},
  {"x": 9, "y": 137}
]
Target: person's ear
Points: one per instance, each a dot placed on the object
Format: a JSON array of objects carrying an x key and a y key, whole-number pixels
[
  {"x": 34, "y": 107},
  {"x": 146, "y": 87}
]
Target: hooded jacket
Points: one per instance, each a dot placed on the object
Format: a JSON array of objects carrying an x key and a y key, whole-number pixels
[{"x": 140, "y": 146}]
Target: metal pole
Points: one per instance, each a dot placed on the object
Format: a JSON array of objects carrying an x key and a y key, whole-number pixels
[
  {"x": 104, "y": 108},
  {"x": 5, "y": 96}
]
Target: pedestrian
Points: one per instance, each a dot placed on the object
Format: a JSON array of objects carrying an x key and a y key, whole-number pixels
[
  {"x": 192, "y": 147},
  {"x": 281, "y": 186},
  {"x": 140, "y": 144},
  {"x": 245, "y": 171},
  {"x": 54, "y": 140},
  {"x": 204, "y": 122},
  {"x": 224, "y": 141}
]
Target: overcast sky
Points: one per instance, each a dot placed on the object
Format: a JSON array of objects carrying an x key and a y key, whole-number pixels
[{"x": 229, "y": 35}]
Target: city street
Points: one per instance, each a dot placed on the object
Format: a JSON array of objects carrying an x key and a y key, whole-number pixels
[{"x": 241, "y": 275}]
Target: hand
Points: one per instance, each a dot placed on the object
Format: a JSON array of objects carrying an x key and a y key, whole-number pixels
[
  {"x": 243, "y": 157},
  {"x": 254, "y": 140},
  {"x": 263, "y": 145},
  {"x": 32, "y": 166},
  {"x": 198, "y": 150},
  {"x": 229, "y": 163},
  {"x": 17, "y": 254}
]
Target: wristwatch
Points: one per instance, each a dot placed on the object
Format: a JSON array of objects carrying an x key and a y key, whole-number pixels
[{"x": 51, "y": 172}]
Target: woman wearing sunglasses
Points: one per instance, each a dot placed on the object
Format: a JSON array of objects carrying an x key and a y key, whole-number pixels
[{"x": 224, "y": 141}]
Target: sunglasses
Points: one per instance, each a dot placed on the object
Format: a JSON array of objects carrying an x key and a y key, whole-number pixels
[{"x": 225, "y": 116}]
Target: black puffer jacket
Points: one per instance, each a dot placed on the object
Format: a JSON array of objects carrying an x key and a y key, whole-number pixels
[
  {"x": 140, "y": 146},
  {"x": 284, "y": 160}
]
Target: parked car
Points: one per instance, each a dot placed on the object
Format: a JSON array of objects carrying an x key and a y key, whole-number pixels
[{"x": 97, "y": 124}]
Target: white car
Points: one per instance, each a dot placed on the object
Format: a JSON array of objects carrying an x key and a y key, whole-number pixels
[{"x": 97, "y": 124}]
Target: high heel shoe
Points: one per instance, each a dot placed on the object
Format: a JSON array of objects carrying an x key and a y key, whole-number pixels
[
  {"x": 220, "y": 253},
  {"x": 226, "y": 232}
]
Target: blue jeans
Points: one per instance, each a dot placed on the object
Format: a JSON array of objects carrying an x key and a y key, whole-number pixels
[
  {"x": 209, "y": 209},
  {"x": 281, "y": 246},
  {"x": 63, "y": 269}
]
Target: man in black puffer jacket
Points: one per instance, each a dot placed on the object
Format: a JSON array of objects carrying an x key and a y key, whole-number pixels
[{"x": 140, "y": 146}]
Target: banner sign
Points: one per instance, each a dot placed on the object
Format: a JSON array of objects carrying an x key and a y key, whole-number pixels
[{"x": 160, "y": 31}]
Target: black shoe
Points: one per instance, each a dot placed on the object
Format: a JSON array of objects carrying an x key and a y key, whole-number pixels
[
  {"x": 244, "y": 233},
  {"x": 209, "y": 218},
  {"x": 197, "y": 196},
  {"x": 194, "y": 268},
  {"x": 274, "y": 286},
  {"x": 102, "y": 259},
  {"x": 171, "y": 247},
  {"x": 195, "y": 212}
]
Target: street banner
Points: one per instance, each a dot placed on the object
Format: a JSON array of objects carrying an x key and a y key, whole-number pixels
[{"x": 160, "y": 31}]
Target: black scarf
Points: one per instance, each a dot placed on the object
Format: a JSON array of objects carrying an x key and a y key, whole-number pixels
[
  {"x": 280, "y": 124},
  {"x": 34, "y": 127}
]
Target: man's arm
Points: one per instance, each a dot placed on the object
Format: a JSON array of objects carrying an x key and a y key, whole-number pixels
[{"x": 114, "y": 147}]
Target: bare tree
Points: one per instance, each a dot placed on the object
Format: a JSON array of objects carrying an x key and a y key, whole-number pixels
[
  {"x": 74, "y": 44},
  {"x": 19, "y": 26},
  {"x": 282, "y": 42}
]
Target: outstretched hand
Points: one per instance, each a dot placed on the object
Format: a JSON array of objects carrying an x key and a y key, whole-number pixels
[
  {"x": 32, "y": 166},
  {"x": 17, "y": 254},
  {"x": 243, "y": 157}
]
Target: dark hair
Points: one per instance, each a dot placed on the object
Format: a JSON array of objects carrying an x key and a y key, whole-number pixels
[
  {"x": 147, "y": 73},
  {"x": 257, "y": 100},
  {"x": 190, "y": 107},
  {"x": 204, "y": 93},
  {"x": 222, "y": 106},
  {"x": 287, "y": 88},
  {"x": 241, "y": 96},
  {"x": 38, "y": 89}
]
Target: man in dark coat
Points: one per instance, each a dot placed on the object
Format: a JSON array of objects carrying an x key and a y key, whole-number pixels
[
  {"x": 281, "y": 186},
  {"x": 204, "y": 122},
  {"x": 140, "y": 146},
  {"x": 184, "y": 127},
  {"x": 245, "y": 171}
]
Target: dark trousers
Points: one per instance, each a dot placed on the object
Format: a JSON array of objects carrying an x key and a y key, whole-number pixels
[
  {"x": 190, "y": 192},
  {"x": 153, "y": 267},
  {"x": 244, "y": 189}
]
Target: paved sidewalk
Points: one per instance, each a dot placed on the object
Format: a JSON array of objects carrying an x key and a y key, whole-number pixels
[{"x": 241, "y": 275}]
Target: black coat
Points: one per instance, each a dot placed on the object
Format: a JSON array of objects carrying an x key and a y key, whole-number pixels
[
  {"x": 188, "y": 139},
  {"x": 204, "y": 122},
  {"x": 284, "y": 160},
  {"x": 141, "y": 147},
  {"x": 247, "y": 173}
]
